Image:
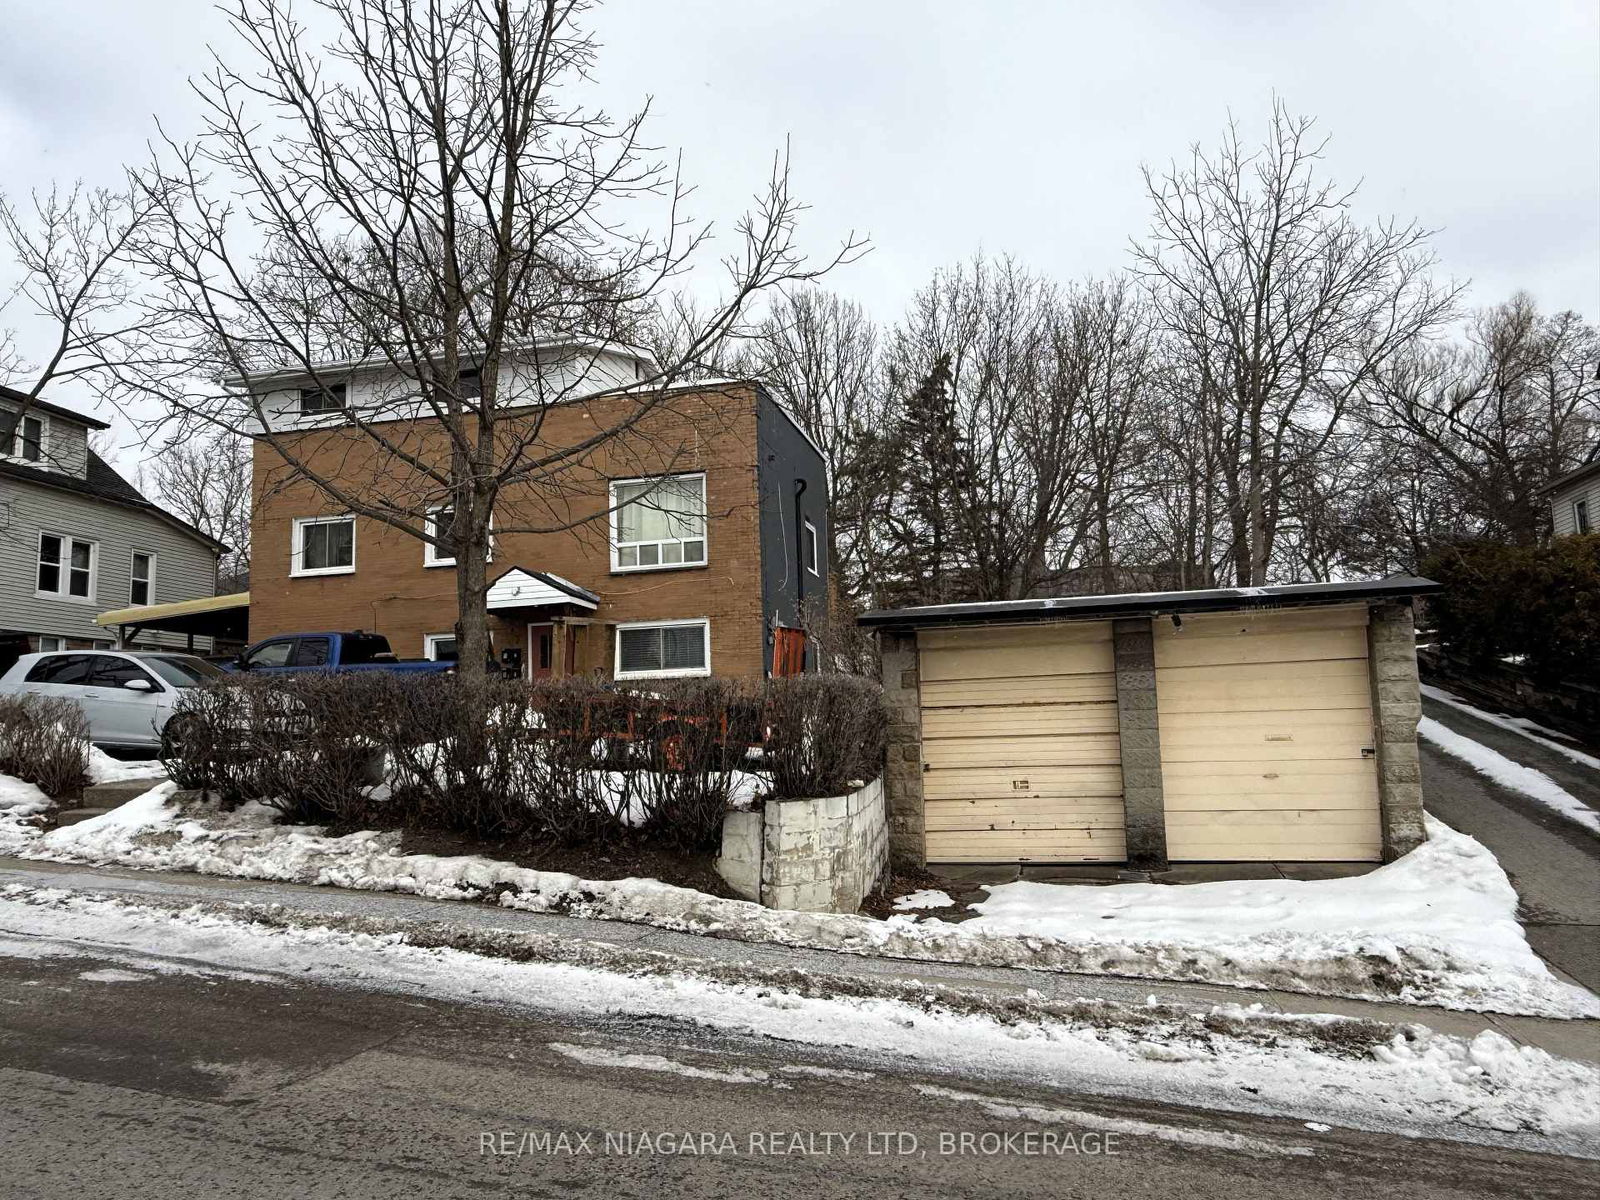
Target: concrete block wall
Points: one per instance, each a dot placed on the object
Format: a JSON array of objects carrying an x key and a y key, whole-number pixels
[
  {"x": 1396, "y": 708},
  {"x": 821, "y": 855},
  {"x": 903, "y": 770},
  {"x": 1138, "y": 727}
]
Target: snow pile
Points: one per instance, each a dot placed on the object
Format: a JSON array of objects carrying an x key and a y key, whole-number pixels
[
  {"x": 105, "y": 769},
  {"x": 1525, "y": 781},
  {"x": 923, "y": 898},
  {"x": 1411, "y": 1081},
  {"x": 1549, "y": 738},
  {"x": 19, "y": 804},
  {"x": 1437, "y": 927}
]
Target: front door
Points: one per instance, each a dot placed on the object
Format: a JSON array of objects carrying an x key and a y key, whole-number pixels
[{"x": 541, "y": 651}]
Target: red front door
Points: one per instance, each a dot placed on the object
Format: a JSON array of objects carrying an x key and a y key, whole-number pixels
[{"x": 541, "y": 650}]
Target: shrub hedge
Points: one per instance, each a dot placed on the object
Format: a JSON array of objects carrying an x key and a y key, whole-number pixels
[
  {"x": 574, "y": 761},
  {"x": 44, "y": 740},
  {"x": 1541, "y": 603}
]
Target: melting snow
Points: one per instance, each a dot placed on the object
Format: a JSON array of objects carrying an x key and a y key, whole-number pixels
[{"x": 1526, "y": 781}]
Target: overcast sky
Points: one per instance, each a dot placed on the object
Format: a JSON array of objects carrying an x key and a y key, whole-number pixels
[{"x": 942, "y": 127}]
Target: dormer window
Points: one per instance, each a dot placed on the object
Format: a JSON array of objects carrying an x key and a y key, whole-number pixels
[
  {"x": 322, "y": 400},
  {"x": 21, "y": 438}
]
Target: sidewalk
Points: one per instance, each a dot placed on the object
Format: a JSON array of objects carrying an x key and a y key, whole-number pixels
[{"x": 1568, "y": 1039}]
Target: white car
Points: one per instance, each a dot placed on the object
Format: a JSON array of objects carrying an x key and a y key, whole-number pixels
[{"x": 127, "y": 695}]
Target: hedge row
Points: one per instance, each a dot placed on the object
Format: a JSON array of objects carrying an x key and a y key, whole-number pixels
[
  {"x": 574, "y": 761},
  {"x": 1540, "y": 604},
  {"x": 44, "y": 741}
]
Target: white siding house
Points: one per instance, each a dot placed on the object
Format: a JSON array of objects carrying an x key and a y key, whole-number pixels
[
  {"x": 76, "y": 539},
  {"x": 1575, "y": 501}
]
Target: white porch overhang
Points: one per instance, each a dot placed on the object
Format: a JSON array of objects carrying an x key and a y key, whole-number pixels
[{"x": 519, "y": 588}]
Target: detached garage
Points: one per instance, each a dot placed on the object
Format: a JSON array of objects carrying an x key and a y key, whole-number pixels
[{"x": 1226, "y": 725}]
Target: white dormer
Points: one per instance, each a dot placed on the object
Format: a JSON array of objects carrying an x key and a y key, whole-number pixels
[{"x": 44, "y": 437}]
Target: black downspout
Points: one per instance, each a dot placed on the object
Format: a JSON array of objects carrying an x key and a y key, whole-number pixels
[{"x": 799, "y": 550}]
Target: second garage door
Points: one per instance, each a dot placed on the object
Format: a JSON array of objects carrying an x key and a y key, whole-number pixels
[
  {"x": 1266, "y": 737},
  {"x": 1020, "y": 750}
]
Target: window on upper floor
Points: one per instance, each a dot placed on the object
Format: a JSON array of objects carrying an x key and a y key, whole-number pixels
[
  {"x": 323, "y": 546},
  {"x": 663, "y": 649},
  {"x": 810, "y": 549},
  {"x": 469, "y": 384},
  {"x": 658, "y": 524},
  {"x": 322, "y": 400},
  {"x": 21, "y": 437},
  {"x": 67, "y": 566},
  {"x": 1580, "y": 516},
  {"x": 142, "y": 578},
  {"x": 439, "y": 521}
]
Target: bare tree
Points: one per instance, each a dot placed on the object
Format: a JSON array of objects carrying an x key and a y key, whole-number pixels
[
  {"x": 419, "y": 188},
  {"x": 206, "y": 481},
  {"x": 1490, "y": 421},
  {"x": 821, "y": 353},
  {"x": 1284, "y": 308},
  {"x": 73, "y": 283}
]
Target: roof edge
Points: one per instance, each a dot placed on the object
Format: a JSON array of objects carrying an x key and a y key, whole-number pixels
[{"x": 1070, "y": 608}]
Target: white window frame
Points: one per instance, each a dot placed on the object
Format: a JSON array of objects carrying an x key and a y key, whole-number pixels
[
  {"x": 150, "y": 579},
  {"x": 616, "y": 650},
  {"x": 814, "y": 550},
  {"x": 297, "y": 547},
  {"x": 64, "y": 568},
  {"x": 9, "y": 451},
  {"x": 341, "y": 391},
  {"x": 432, "y": 556},
  {"x": 1580, "y": 516},
  {"x": 430, "y": 642},
  {"x": 616, "y": 526}
]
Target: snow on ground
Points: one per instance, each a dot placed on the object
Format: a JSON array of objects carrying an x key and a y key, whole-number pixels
[
  {"x": 105, "y": 769},
  {"x": 1413, "y": 1081},
  {"x": 19, "y": 802},
  {"x": 924, "y": 898},
  {"x": 1532, "y": 730},
  {"x": 1436, "y": 927},
  {"x": 1526, "y": 781}
]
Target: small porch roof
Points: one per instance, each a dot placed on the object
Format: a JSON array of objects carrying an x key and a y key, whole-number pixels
[{"x": 519, "y": 587}]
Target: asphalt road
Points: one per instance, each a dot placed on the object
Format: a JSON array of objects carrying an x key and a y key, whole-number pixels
[
  {"x": 1553, "y": 863},
  {"x": 126, "y": 1084}
]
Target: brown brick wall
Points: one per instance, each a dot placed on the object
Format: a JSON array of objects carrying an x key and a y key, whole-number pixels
[{"x": 392, "y": 593}]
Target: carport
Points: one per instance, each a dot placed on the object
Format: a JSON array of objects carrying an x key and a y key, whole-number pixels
[
  {"x": 225, "y": 619},
  {"x": 1223, "y": 725}
]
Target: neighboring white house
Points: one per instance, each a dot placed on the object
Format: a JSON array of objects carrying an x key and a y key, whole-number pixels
[
  {"x": 76, "y": 539},
  {"x": 1575, "y": 500}
]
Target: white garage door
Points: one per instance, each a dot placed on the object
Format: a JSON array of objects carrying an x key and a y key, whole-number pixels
[
  {"x": 1019, "y": 742},
  {"x": 1267, "y": 738}
]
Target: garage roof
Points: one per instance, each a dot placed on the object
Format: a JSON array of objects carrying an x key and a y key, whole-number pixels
[{"x": 1068, "y": 608}]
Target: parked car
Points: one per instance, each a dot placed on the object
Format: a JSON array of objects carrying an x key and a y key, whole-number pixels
[
  {"x": 127, "y": 695},
  {"x": 297, "y": 653}
]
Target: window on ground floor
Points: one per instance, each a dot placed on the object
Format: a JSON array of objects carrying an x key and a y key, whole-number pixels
[
  {"x": 663, "y": 649},
  {"x": 439, "y": 647}
]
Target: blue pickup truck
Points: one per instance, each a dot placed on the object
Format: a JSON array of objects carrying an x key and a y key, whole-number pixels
[{"x": 297, "y": 653}]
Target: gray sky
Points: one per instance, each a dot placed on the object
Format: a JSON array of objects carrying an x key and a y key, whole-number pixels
[{"x": 943, "y": 127}]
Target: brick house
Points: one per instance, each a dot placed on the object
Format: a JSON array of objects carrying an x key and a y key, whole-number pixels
[{"x": 708, "y": 532}]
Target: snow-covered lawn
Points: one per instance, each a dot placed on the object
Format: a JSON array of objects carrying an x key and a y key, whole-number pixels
[
  {"x": 1526, "y": 781},
  {"x": 1323, "y": 1070},
  {"x": 1437, "y": 927}
]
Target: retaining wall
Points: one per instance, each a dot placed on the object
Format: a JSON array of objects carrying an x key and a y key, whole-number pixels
[{"x": 822, "y": 855}]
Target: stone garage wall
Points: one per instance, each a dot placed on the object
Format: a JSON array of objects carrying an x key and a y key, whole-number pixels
[{"x": 822, "y": 855}]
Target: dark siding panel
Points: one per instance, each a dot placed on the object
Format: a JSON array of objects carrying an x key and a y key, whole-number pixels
[{"x": 786, "y": 457}]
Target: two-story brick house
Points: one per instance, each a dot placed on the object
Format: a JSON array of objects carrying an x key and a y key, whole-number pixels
[
  {"x": 77, "y": 539},
  {"x": 707, "y": 536}
]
